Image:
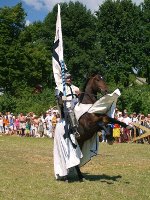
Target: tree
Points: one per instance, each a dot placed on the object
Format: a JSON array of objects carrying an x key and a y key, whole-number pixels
[
  {"x": 81, "y": 52},
  {"x": 145, "y": 68},
  {"x": 36, "y": 61},
  {"x": 119, "y": 24},
  {"x": 12, "y": 23}
]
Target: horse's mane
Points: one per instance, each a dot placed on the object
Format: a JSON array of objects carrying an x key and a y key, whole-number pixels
[
  {"x": 83, "y": 90},
  {"x": 93, "y": 73}
]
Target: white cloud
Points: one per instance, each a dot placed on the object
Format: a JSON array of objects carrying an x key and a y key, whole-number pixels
[
  {"x": 37, "y": 4},
  {"x": 49, "y": 4},
  {"x": 28, "y": 22}
]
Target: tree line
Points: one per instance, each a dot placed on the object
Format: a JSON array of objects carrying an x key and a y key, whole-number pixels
[{"x": 114, "y": 40}]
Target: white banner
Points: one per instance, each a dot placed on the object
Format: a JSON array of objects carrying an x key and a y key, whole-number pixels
[{"x": 58, "y": 50}]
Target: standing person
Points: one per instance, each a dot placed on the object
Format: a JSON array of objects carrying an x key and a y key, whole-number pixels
[
  {"x": 1, "y": 125},
  {"x": 71, "y": 99},
  {"x": 16, "y": 125},
  {"x": 22, "y": 122},
  {"x": 6, "y": 124},
  {"x": 54, "y": 122},
  {"x": 48, "y": 120},
  {"x": 11, "y": 125},
  {"x": 126, "y": 132},
  {"x": 41, "y": 128},
  {"x": 67, "y": 153},
  {"x": 36, "y": 124},
  {"x": 116, "y": 131},
  {"x": 28, "y": 127},
  {"x": 134, "y": 130},
  {"x": 104, "y": 136}
]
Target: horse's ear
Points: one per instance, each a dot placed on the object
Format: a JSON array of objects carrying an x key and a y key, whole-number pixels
[{"x": 94, "y": 72}]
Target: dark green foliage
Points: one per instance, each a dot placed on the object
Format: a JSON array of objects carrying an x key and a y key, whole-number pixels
[
  {"x": 27, "y": 101},
  {"x": 136, "y": 99},
  {"x": 113, "y": 40}
]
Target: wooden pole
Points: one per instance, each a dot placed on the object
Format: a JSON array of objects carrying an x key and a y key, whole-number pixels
[{"x": 146, "y": 134}]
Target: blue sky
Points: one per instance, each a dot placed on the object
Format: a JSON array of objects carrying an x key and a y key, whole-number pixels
[{"x": 38, "y": 9}]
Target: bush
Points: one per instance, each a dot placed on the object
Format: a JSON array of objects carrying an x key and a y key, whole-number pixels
[{"x": 27, "y": 101}]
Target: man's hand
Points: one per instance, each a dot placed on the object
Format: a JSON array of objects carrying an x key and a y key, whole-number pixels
[
  {"x": 78, "y": 92},
  {"x": 64, "y": 98}
]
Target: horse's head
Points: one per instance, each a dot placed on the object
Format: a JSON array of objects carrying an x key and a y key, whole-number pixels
[
  {"x": 94, "y": 84},
  {"x": 99, "y": 84}
]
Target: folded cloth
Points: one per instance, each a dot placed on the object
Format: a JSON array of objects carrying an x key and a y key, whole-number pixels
[
  {"x": 65, "y": 155},
  {"x": 105, "y": 105}
]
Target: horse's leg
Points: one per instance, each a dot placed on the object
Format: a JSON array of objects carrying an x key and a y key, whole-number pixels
[
  {"x": 115, "y": 121},
  {"x": 102, "y": 126},
  {"x": 80, "y": 176},
  {"x": 109, "y": 120}
]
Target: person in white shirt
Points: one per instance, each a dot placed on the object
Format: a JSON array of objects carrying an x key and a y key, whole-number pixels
[
  {"x": 120, "y": 117},
  {"x": 70, "y": 99},
  {"x": 48, "y": 120}
]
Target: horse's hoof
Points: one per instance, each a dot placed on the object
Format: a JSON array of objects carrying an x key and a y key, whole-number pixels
[
  {"x": 82, "y": 180},
  {"x": 110, "y": 142}
]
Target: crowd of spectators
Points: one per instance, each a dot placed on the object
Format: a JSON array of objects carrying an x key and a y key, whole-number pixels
[
  {"x": 29, "y": 125},
  {"x": 121, "y": 134}
]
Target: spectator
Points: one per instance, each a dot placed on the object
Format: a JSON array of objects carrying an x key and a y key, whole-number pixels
[
  {"x": 48, "y": 121},
  {"x": 36, "y": 124},
  {"x": 28, "y": 127},
  {"x": 120, "y": 116},
  {"x": 11, "y": 125},
  {"x": 104, "y": 136},
  {"x": 126, "y": 132},
  {"x": 54, "y": 122},
  {"x": 16, "y": 125},
  {"x": 6, "y": 124},
  {"x": 116, "y": 131},
  {"x": 134, "y": 130},
  {"x": 1, "y": 125},
  {"x": 22, "y": 122},
  {"x": 41, "y": 128}
]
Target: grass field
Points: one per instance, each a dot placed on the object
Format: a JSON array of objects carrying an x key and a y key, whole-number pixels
[{"x": 120, "y": 171}]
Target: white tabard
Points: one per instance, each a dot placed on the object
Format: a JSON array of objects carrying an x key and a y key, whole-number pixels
[{"x": 65, "y": 156}]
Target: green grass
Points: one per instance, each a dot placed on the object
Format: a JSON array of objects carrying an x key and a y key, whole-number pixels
[{"x": 120, "y": 171}]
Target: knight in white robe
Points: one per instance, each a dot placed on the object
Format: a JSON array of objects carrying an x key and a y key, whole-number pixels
[{"x": 65, "y": 155}]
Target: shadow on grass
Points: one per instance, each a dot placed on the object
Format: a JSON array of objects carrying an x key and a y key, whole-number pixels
[{"x": 102, "y": 178}]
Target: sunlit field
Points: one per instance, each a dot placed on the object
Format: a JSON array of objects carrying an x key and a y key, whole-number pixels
[{"x": 120, "y": 171}]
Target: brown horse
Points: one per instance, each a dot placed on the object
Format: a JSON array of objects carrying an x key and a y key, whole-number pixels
[{"x": 91, "y": 123}]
